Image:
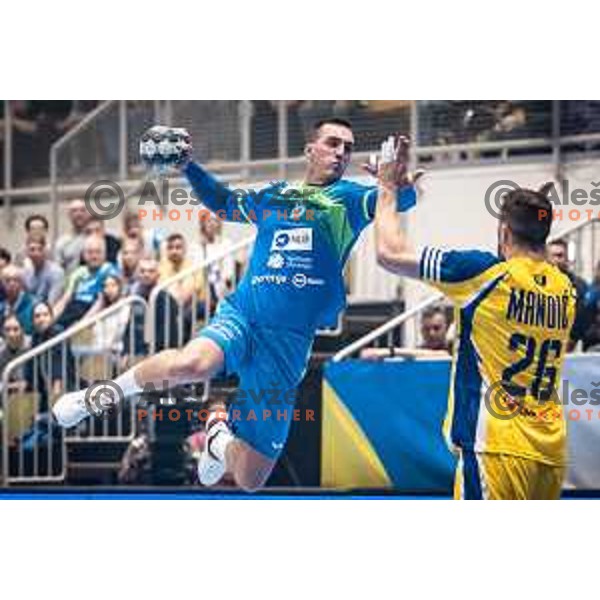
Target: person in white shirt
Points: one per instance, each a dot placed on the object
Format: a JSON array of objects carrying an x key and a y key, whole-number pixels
[{"x": 212, "y": 242}]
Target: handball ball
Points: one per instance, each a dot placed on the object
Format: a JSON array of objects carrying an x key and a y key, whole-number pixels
[{"x": 164, "y": 146}]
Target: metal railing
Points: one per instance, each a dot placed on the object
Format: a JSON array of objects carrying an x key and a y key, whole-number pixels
[
  {"x": 580, "y": 235},
  {"x": 261, "y": 140},
  {"x": 97, "y": 348},
  {"x": 181, "y": 321}
]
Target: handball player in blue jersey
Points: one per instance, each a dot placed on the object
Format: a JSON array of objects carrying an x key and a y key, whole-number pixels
[{"x": 265, "y": 329}]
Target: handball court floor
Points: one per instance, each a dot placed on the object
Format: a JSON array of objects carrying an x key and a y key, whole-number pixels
[{"x": 45, "y": 493}]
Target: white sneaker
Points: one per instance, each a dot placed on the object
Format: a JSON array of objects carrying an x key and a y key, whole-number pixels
[
  {"x": 211, "y": 468},
  {"x": 70, "y": 409}
]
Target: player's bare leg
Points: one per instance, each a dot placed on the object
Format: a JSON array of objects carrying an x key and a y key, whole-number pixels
[{"x": 199, "y": 360}]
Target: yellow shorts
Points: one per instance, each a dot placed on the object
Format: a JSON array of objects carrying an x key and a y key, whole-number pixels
[{"x": 483, "y": 476}]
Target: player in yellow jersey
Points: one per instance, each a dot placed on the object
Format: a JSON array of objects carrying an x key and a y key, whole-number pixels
[{"x": 514, "y": 313}]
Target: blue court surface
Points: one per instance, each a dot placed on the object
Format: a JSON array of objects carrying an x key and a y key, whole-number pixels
[{"x": 170, "y": 494}]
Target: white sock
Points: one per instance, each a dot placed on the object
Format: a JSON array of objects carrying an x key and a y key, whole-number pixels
[{"x": 128, "y": 384}]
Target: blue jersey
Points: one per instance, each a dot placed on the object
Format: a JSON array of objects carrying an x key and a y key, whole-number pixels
[{"x": 305, "y": 233}]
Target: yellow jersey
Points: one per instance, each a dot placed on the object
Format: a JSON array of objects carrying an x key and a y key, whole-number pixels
[{"x": 513, "y": 321}]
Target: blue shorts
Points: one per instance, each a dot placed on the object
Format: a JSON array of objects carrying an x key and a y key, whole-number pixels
[{"x": 270, "y": 364}]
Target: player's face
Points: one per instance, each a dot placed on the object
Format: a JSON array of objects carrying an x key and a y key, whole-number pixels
[
  {"x": 330, "y": 152},
  {"x": 434, "y": 331},
  {"x": 42, "y": 318}
]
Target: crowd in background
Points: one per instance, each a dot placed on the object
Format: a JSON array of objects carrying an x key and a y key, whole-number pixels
[
  {"x": 36, "y": 124},
  {"x": 45, "y": 290}
]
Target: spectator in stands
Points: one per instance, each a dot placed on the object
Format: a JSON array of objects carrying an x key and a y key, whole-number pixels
[
  {"x": 5, "y": 260},
  {"x": 558, "y": 255},
  {"x": 96, "y": 226},
  {"x": 591, "y": 337},
  {"x": 85, "y": 284},
  {"x": 150, "y": 239},
  {"x": 176, "y": 261},
  {"x": 15, "y": 343},
  {"x": 212, "y": 242},
  {"x": 69, "y": 246},
  {"x": 16, "y": 300},
  {"x": 44, "y": 278},
  {"x": 434, "y": 334},
  {"x": 109, "y": 331},
  {"x": 52, "y": 372},
  {"x": 34, "y": 224},
  {"x": 129, "y": 258},
  {"x": 166, "y": 317}
]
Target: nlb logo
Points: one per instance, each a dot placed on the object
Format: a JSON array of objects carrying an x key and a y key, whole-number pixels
[{"x": 300, "y": 239}]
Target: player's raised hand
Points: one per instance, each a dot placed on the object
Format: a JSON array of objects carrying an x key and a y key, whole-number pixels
[
  {"x": 390, "y": 166},
  {"x": 162, "y": 148}
]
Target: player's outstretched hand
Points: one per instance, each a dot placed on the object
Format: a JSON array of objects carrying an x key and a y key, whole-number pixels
[
  {"x": 163, "y": 148},
  {"x": 390, "y": 166}
]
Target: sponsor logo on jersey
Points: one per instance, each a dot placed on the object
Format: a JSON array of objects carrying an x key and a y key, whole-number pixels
[
  {"x": 301, "y": 280},
  {"x": 300, "y": 239},
  {"x": 274, "y": 279},
  {"x": 276, "y": 261}
]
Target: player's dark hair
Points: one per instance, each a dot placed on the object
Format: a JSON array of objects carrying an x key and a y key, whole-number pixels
[
  {"x": 5, "y": 255},
  {"x": 31, "y": 218},
  {"x": 528, "y": 214},
  {"x": 328, "y": 121}
]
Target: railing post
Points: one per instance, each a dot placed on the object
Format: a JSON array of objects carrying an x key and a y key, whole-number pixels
[
  {"x": 8, "y": 151},
  {"x": 123, "y": 162},
  {"x": 556, "y": 153},
  {"x": 414, "y": 128},
  {"x": 54, "y": 192},
  {"x": 282, "y": 138},
  {"x": 245, "y": 120}
]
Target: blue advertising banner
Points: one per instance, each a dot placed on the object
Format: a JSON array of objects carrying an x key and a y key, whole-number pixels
[{"x": 382, "y": 424}]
